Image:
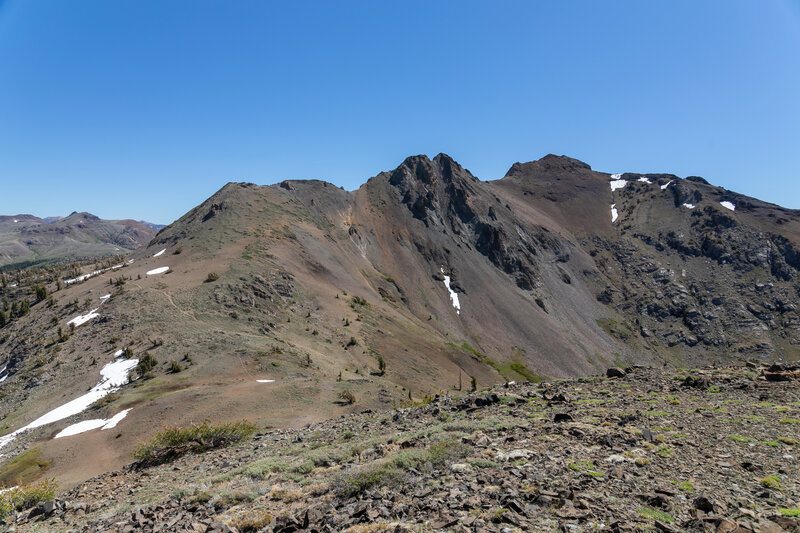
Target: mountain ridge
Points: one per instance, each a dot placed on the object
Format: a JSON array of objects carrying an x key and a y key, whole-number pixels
[{"x": 291, "y": 294}]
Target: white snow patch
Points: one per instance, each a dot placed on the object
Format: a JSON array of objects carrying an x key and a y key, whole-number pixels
[
  {"x": 130, "y": 261},
  {"x": 159, "y": 270},
  {"x": 728, "y": 205},
  {"x": 646, "y": 180},
  {"x": 3, "y": 491},
  {"x": 667, "y": 184},
  {"x": 114, "y": 375},
  {"x": 617, "y": 184},
  {"x": 614, "y": 213},
  {"x": 15, "y": 221},
  {"x": 265, "y": 380},
  {"x": 13, "y": 285},
  {"x": 117, "y": 266},
  {"x": 688, "y": 206},
  {"x": 160, "y": 253},
  {"x": 88, "y": 425},
  {"x": 453, "y": 295},
  {"x": 105, "y": 297},
  {"x": 83, "y": 319},
  {"x": 118, "y": 353}
]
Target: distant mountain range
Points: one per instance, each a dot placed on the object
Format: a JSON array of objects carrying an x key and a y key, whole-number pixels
[{"x": 26, "y": 240}]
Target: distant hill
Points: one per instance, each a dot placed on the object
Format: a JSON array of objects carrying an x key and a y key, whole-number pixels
[{"x": 26, "y": 240}]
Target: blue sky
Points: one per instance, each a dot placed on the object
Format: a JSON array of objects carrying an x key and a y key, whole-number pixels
[{"x": 142, "y": 109}]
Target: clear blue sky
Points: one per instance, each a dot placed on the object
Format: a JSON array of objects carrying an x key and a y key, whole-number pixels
[{"x": 143, "y": 109}]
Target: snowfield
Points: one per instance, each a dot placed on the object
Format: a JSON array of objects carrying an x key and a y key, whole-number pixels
[
  {"x": 159, "y": 270},
  {"x": 88, "y": 425},
  {"x": 728, "y": 205},
  {"x": 614, "y": 213},
  {"x": 453, "y": 295},
  {"x": 83, "y": 319},
  {"x": 158, "y": 254},
  {"x": 114, "y": 375},
  {"x": 617, "y": 184}
]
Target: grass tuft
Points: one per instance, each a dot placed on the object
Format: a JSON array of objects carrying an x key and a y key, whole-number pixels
[{"x": 173, "y": 442}]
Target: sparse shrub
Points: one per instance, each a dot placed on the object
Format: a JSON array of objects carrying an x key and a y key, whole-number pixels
[
  {"x": 212, "y": 276},
  {"x": 127, "y": 353},
  {"x": 347, "y": 397},
  {"x": 173, "y": 442},
  {"x": 174, "y": 367},
  {"x": 352, "y": 342},
  {"x": 686, "y": 487},
  {"x": 252, "y": 521},
  {"x": 178, "y": 250},
  {"x": 41, "y": 293},
  {"x": 791, "y": 513},
  {"x": 473, "y": 383},
  {"x": 381, "y": 365},
  {"x": 789, "y": 441},
  {"x": 771, "y": 482},
  {"x": 146, "y": 364}
]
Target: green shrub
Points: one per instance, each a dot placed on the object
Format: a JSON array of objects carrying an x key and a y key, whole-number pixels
[
  {"x": 771, "y": 482},
  {"x": 26, "y": 496},
  {"x": 212, "y": 276},
  {"x": 655, "y": 514},
  {"x": 353, "y": 484},
  {"x": 791, "y": 513},
  {"x": 173, "y": 442}
]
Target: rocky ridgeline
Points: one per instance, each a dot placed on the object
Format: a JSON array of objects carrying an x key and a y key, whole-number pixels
[{"x": 669, "y": 450}]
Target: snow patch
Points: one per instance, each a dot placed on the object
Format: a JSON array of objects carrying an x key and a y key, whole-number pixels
[
  {"x": 614, "y": 213},
  {"x": 265, "y": 380},
  {"x": 88, "y": 425},
  {"x": 105, "y": 297},
  {"x": 83, "y": 319},
  {"x": 159, "y": 270},
  {"x": 130, "y": 261},
  {"x": 160, "y": 253},
  {"x": 453, "y": 295},
  {"x": 663, "y": 187},
  {"x": 617, "y": 184},
  {"x": 688, "y": 206},
  {"x": 118, "y": 353},
  {"x": 728, "y": 205},
  {"x": 114, "y": 375},
  {"x": 646, "y": 180}
]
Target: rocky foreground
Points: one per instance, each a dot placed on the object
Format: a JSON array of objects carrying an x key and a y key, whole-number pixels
[{"x": 668, "y": 450}]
